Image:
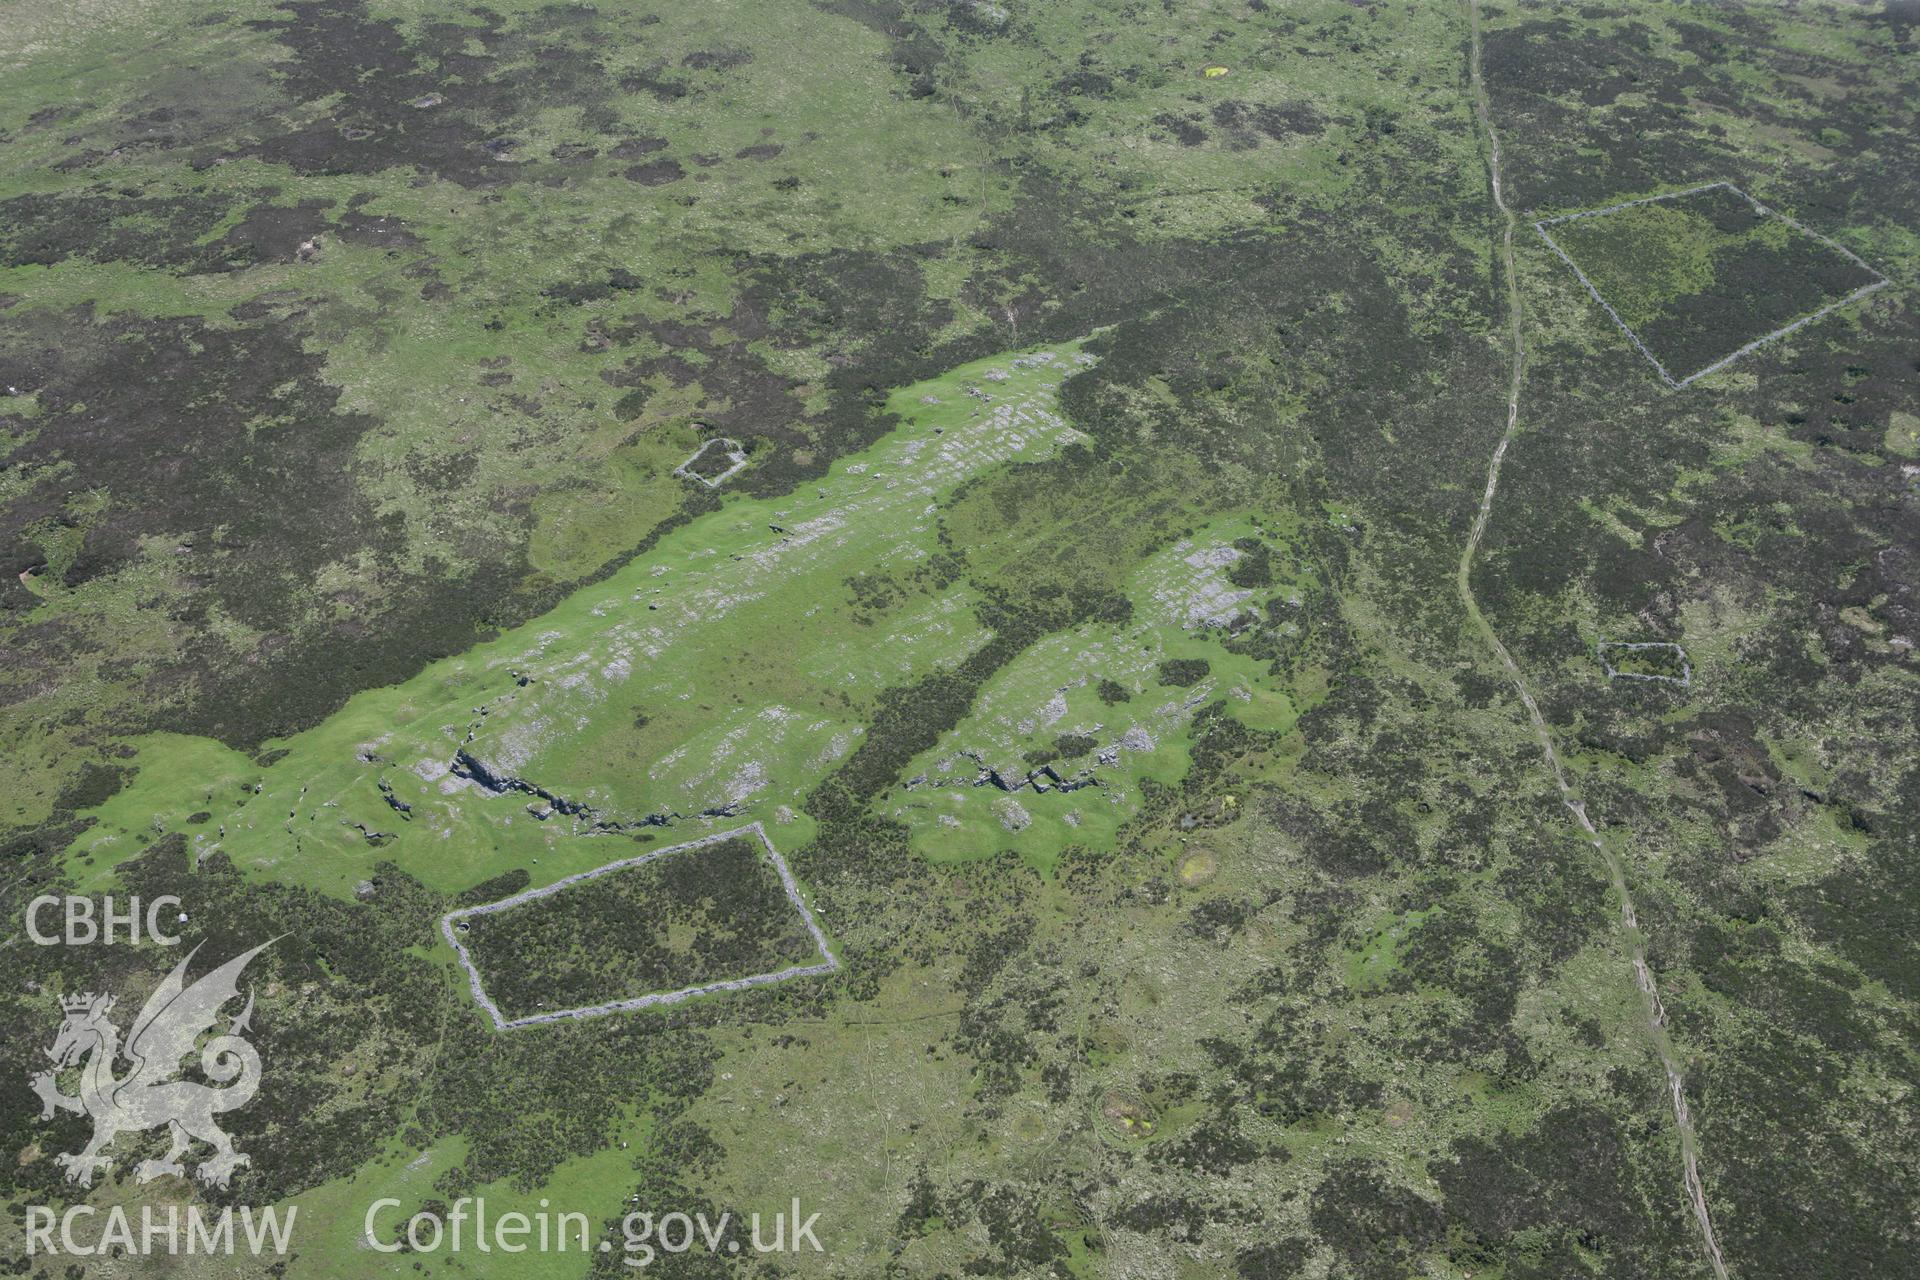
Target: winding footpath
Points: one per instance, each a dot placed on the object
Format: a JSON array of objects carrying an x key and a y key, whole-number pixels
[{"x": 1656, "y": 1014}]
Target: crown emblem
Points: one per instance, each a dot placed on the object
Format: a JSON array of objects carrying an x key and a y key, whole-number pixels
[{"x": 77, "y": 1003}]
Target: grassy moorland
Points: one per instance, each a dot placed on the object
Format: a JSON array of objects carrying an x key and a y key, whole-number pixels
[{"x": 1117, "y": 385}]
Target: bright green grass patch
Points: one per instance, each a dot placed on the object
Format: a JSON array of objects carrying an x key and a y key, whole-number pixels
[
  {"x": 985, "y": 786},
  {"x": 725, "y": 673},
  {"x": 333, "y": 1217}
]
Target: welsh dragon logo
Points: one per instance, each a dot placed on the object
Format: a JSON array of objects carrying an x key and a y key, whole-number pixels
[{"x": 151, "y": 1094}]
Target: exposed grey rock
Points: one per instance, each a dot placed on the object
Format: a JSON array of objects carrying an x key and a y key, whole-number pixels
[{"x": 1013, "y": 815}]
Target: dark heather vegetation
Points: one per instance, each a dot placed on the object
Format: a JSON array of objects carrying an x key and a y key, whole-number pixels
[
  {"x": 1183, "y": 673},
  {"x": 684, "y": 919},
  {"x": 1700, "y": 275}
]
